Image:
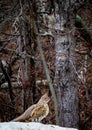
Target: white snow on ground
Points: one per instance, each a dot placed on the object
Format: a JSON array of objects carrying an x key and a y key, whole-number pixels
[{"x": 30, "y": 126}]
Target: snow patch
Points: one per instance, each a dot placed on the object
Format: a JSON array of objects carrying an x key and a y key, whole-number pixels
[{"x": 30, "y": 126}]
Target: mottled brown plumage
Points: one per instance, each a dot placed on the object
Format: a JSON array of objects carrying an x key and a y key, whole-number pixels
[{"x": 36, "y": 112}]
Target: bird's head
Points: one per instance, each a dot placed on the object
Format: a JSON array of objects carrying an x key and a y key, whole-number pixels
[{"x": 44, "y": 99}]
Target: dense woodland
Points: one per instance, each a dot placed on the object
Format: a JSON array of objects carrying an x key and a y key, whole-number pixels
[{"x": 46, "y": 45}]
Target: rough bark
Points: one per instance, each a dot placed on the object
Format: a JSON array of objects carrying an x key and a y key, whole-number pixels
[{"x": 65, "y": 64}]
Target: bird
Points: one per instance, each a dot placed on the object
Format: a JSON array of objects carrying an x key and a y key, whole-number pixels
[{"x": 36, "y": 112}]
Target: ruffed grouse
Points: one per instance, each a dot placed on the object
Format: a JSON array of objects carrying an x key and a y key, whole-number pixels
[{"x": 36, "y": 112}]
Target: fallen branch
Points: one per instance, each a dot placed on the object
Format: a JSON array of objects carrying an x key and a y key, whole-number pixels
[{"x": 15, "y": 85}]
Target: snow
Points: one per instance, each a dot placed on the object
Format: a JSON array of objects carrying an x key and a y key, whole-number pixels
[{"x": 30, "y": 126}]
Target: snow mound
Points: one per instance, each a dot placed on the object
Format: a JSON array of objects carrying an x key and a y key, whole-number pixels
[{"x": 30, "y": 126}]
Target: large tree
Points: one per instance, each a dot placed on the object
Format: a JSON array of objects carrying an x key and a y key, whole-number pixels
[
  {"x": 66, "y": 88},
  {"x": 58, "y": 18}
]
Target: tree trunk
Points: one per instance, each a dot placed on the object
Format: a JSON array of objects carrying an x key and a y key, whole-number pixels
[
  {"x": 65, "y": 65},
  {"x": 55, "y": 15}
]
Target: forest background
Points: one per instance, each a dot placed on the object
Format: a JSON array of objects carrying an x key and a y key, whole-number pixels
[{"x": 29, "y": 69}]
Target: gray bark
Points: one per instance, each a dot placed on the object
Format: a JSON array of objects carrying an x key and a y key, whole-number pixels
[
  {"x": 65, "y": 76},
  {"x": 65, "y": 65}
]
